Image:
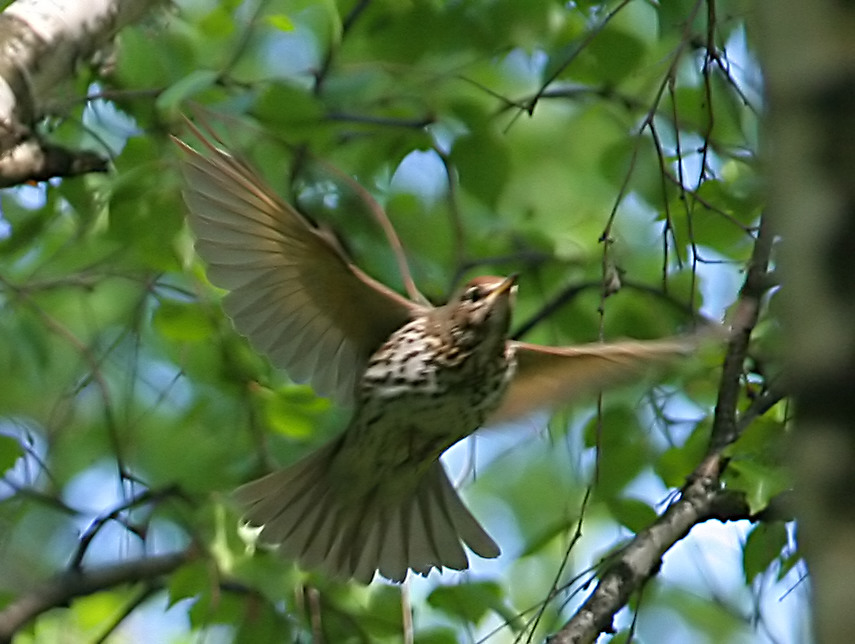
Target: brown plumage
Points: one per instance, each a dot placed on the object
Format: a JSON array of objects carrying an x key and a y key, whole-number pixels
[{"x": 419, "y": 379}]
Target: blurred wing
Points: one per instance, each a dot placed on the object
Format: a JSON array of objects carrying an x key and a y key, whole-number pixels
[
  {"x": 293, "y": 294},
  {"x": 549, "y": 376}
]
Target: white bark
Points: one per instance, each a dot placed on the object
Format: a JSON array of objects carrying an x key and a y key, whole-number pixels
[{"x": 42, "y": 43}]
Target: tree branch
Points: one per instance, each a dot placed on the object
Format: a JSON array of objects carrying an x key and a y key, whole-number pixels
[
  {"x": 702, "y": 498},
  {"x": 43, "y": 44},
  {"x": 725, "y": 425},
  {"x": 72, "y": 583},
  {"x": 35, "y": 160},
  {"x": 639, "y": 561}
]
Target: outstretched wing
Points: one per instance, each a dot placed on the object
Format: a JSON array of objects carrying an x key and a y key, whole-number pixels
[
  {"x": 549, "y": 376},
  {"x": 292, "y": 293}
]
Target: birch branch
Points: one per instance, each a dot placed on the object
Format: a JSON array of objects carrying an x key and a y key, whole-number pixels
[{"x": 42, "y": 44}]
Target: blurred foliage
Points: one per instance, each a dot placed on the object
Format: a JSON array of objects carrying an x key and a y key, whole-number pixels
[{"x": 573, "y": 142}]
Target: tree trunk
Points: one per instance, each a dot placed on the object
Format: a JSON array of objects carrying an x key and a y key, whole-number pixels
[{"x": 809, "y": 54}]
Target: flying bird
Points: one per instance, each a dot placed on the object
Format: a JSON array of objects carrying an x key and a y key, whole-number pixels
[{"x": 418, "y": 378}]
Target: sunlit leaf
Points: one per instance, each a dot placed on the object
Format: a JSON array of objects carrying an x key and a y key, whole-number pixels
[
  {"x": 292, "y": 411},
  {"x": 182, "y": 322},
  {"x": 759, "y": 482},
  {"x": 281, "y": 21}
]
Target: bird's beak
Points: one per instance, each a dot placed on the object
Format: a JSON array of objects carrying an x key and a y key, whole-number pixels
[{"x": 509, "y": 284}]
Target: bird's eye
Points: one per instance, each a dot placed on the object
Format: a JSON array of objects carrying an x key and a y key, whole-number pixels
[{"x": 474, "y": 294}]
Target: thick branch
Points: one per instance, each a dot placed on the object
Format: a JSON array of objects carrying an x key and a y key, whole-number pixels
[
  {"x": 72, "y": 583},
  {"x": 33, "y": 160}
]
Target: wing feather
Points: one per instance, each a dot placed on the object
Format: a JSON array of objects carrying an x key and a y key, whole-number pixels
[
  {"x": 292, "y": 293},
  {"x": 550, "y": 376}
]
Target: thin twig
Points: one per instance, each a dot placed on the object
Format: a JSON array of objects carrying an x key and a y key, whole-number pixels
[{"x": 148, "y": 496}]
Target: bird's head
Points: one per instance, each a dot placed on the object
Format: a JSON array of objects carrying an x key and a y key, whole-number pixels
[{"x": 482, "y": 308}]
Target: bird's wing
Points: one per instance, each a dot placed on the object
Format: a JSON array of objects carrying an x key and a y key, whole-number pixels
[
  {"x": 292, "y": 293},
  {"x": 549, "y": 376}
]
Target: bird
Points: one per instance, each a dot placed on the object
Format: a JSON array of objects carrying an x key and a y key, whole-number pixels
[{"x": 418, "y": 378}]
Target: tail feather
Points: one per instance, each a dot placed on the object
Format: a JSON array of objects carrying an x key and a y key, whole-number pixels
[
  {"x": 321, "y": 537},
  {"x": 323, "y": 524},
  {"x": 365, "y": 564},
  {"x": 285, "y": 502},
  {"x": 443, "y": 534},
  {"x": 392, "y": 558},
  {"x": 422, "y": 555},
  {"x": 465, "y": 525}
]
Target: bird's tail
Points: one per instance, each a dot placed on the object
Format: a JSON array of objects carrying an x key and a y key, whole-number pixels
[{"x": 321, "y": 523}]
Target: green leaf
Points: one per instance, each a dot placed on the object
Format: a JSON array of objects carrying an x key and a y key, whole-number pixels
[
  {"x": 171, "y": 99},
  {"x": 145, "y": 211},
  {"x": 756, "y": 462},
  {"x": 764, "y": 545},
  {"x": 286, "y": 106},
  {"x": 623, "y": 450},
  {"x": 383, "y": 616},
  {"x": 220, "y": 21},
  {"x": 539, "y": 539},
  {"x": 788, "y": 562},
  {"x": 467, "y": 601},
  {"x": 189, "y": 580},
  {"x": 280, "y": 21},
  {"x": 183, "y": 322},
  {"x": 759, "y": 482},
  {"x": 26, "y": 227},
  {"x": 217, "y": 608},
  {"x": 436, "y": 635},
  {"x": 761, "y": 441},
  {"x": 260, "y": 622},
  {"x": 676, "y": 463},
  {"x": 10, "y": 452},
  {"x": 92, "y": 611},
  {"x": 617, "y": 53},
  {"x": 484, "y": 165},
  {"x": 634, "y": 514},
  {"x": 142, "y": 66},
  {"x": 293, "y": 411}
]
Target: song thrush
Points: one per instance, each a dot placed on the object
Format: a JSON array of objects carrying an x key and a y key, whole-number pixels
[{"x": 376, "y": 498}]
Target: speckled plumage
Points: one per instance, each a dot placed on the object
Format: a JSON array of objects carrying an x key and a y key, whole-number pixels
[{"x": 432, "y": 383}]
